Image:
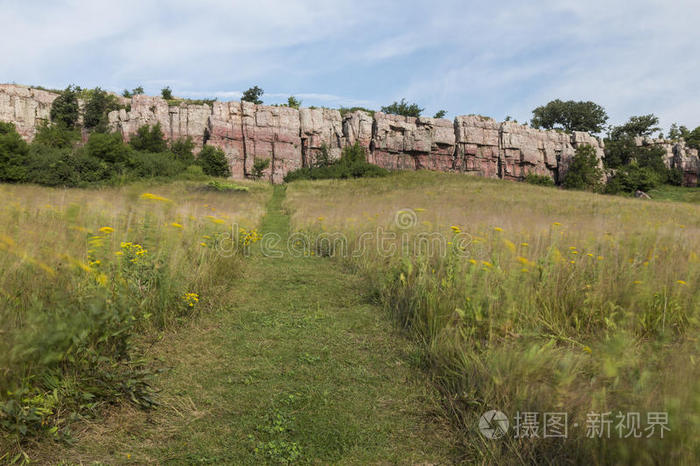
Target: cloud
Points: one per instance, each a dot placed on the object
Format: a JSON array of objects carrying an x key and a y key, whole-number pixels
[{"x": 499, "y": 59}]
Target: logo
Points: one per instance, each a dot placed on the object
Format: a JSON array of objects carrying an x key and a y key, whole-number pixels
[{"x": 493, "y": 424}]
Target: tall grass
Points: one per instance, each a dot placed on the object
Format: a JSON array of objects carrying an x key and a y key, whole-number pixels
[
  {"x": 561, "y": 302},
  {"x": 88, "y": 277}
]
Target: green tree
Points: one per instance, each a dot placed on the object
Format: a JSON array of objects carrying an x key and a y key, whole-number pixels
[
  {"x": 126, "y": 93},
  {"x": 13, "y": 154},
  {"x": 253, "y": 95},
  {"x": 440, "y": 114},
  {"x": 97, "y": 107},
  {"x": 56, "y": 136},
  {"x": 183, "y": 149},
  {"x": 637, "y": 126},
  {"x": 570, "y": 116},
  {"x": 692, "y": 138},
  {"x": 108, "y": 147},
  {"x": 584, "y": 173},
  {"x": 293, "y": 102},
  {"x": 65, "y": 109},
  {"x": 259, "y": 166},
  {"x": 137, "y": 90},
  {"x": 403, "y": 108},
  {"x": 166, "y": 93},
  {"x": 149, "y": 139},
  {"x": 213, "y": 162}
]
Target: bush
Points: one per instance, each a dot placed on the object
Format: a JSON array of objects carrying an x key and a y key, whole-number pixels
[
  {"x": 259, "y": 166},
  {"x": 51, "y": 166},
  {"x": 213, "y": 162},
  {"x": 13, "y": 154},
  {"x": 403, "y": 108},
  {"x": 149, "y": 139},
  {"x": 352, "y": 164},
  {"x": 154, "y": 164},
  {"x": 584, "y": 172},
  {"x": 220, "y": 187},
  {"x": 108, "y": 147},
  {"x": 65, "y": 109},
  {"x": 57, "y": 136},
  {"x": 166, "y": 93},
  {"x": 633, "y": 177},
  {"x": 97, "y": 107},
  {"x": 183, "y": 149},
  {"x": 540, "y": 180},
  {"x": 253, "y": 95}
]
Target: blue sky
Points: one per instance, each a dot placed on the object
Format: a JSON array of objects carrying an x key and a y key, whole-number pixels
[{"x": 491, "y": 58}]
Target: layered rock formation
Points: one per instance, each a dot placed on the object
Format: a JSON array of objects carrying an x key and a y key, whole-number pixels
[
  {"x": 26, "y": 107},
  {"x": 291, "y": 138}
]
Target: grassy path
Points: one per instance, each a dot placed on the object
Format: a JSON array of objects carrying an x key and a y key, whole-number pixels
[{"x": 300, "y": 367}]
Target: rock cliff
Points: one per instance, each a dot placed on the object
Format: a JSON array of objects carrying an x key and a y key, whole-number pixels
[{"x": 291, "y": 138}]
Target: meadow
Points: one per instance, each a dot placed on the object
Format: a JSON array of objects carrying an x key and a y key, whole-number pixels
[
  {"x": 390, "y": 316},
  {"x": 89, "y": 278},
  {"x": 541, "y": 301}
]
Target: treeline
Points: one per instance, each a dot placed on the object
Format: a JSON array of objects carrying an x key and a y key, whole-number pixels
[{"x": 56, "y": 156}]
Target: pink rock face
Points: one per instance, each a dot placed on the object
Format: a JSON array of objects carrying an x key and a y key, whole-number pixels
[
  {"x": 478, "y": 140},
  {"x": 26, "y": 107},
  {"x": 320, "y": 127},
  {"x": 357, "y": 128},
  {"x": 408, "y": 143}
]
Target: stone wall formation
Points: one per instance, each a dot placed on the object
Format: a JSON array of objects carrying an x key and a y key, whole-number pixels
[{"x": 292, "y": 138}]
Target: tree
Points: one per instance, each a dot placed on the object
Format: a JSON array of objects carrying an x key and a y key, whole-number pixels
[
  {"x": 403, "y": 108},
  {"x": 183, "y": 149},
  {"x": 108, "y": 147},
  {"x": 253, "y": 95},
  {"x": 137, "y": 90},
  {"x": 440, "y": 114},
  {"x": 97, "y": 107},
  {"x": 13, "y": 154},
  {"x": 166, "y": 93},
  {"x": 293, "y": 102},
  {"x": 570, "y": 116},
  {"x": 126, "y": 93},
  {"x": 584, "y": 173},
  {"x": 56, "y": 136},
  {"x": 149, "y": 139},
  {"x": 64, "y": 109},
  {"x": 259, "y": 166},
  {"x": 213, "y": 162},
  {"x": 637, "y": 126},
  {"x": 692, "y": 138}
]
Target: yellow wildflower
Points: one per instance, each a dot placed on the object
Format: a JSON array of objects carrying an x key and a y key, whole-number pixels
[
  {"x": 524, "y": 245},
  {"x": 154, "y": 197},
  {"x": 681, "y": 282},
  {"x": 106, "y": 230},
  {"x": 456, "y": 229},
  {"x": 637, "y": 282},
  {"x": 176, "y": 225},
  {"x": 191, "y": 299},
  {"x": 499, "y": 229}
]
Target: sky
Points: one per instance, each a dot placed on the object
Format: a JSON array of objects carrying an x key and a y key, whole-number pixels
[{"x": 467, "y": 57}]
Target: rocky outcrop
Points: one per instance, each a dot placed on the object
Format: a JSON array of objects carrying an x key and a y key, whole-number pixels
[
  {"x": 291, "y": 138},
  {"x": 677, "y": 156},
  {"x": 408, "y": 143},
  {"x": 26, "y": 107},
  {"x": 320, "y": 128}
]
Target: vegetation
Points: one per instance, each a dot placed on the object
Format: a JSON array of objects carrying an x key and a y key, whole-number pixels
[
  {"x": 440, "y": 114},
  {"x": 149, "y": 139},
  {"x": 403, "y": 108},
  {"x": 352, "y": 164},
  {"x": 253, "y": 95},
  {"x": 541, "y": 180},
  {"x": 537, "y": 303},
  {"x": 135, "y": 91},
  {"x": 166, "y": 93},
  {"x": 88, "y": 283},
  {"x": 97, "y": 106},
  {"x": 64, "y": 109},
  {"x": 293, "y": 102},
  {"x": 259, "y": 166},
  {"x": 213, "y": 162},
  {"x": 570, "y": 116},
  {"x": 346, "y": 110},
  {"x": 584, "y": 172}
]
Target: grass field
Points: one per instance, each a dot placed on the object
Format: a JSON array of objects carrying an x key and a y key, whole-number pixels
[
  {"x": 451, "y": 296},
  {"x": 541, "y": 301}
]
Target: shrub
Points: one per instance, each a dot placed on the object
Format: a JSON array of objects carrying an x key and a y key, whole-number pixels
[
  {"x": 213, "y": 162},
  {"x": 149, "y": 139},
  {"x": 220, "y": 187},
  {"x": 57, "y": 136},
  {"x": 440, "y": 114},
  {"x": 97, "y": 107},
  {"x": 633, "y": 177},
  {"x": 13, "y": 154},
  {"x": 108, "y": 147},
  {"x": 293, "y": 102},
  {"x": 541, "y": 180},
  {"x": 403, "y": 108},
  {"x": 154, "y": 164},
  {"x": 259, "y": 166},
  {"x": 65, "y": 109},
  {"x": 584, "y": 173},
  {"x": 352, "y": 164},
  {"x": 166, "y": 93},
  {"x": 253, "y": 95},
  {"x": 183, "y": 149}
]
